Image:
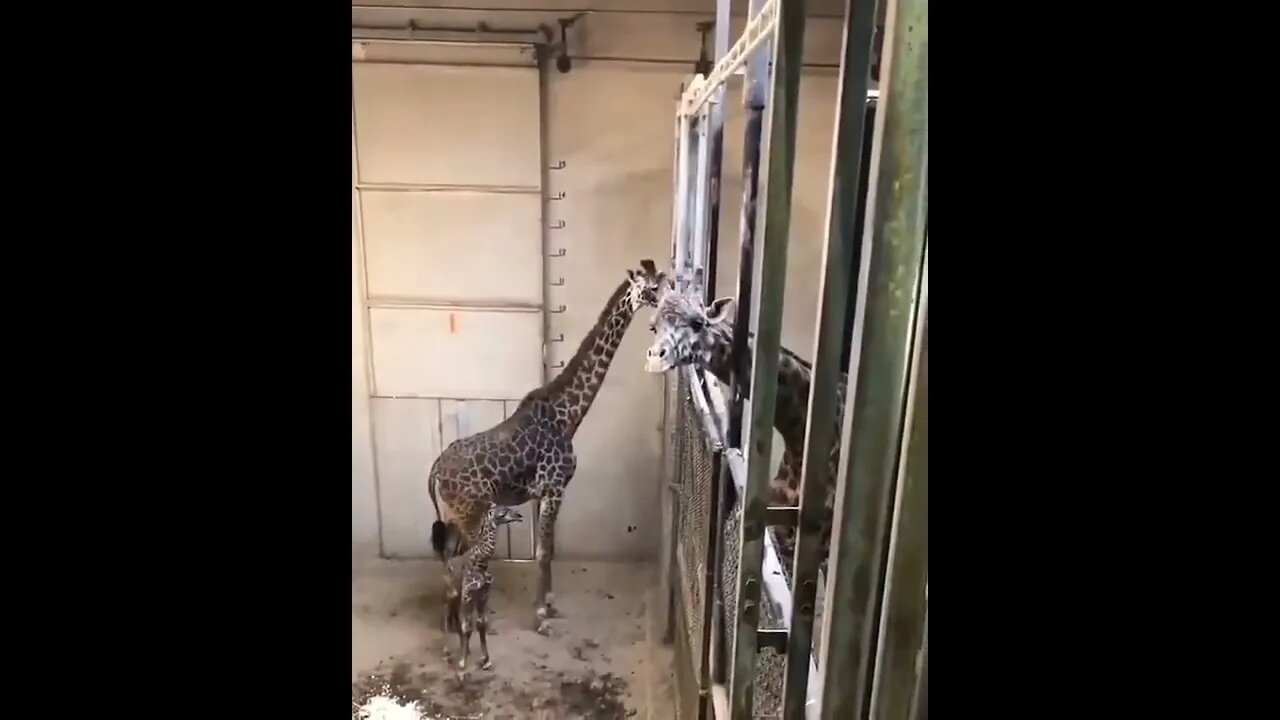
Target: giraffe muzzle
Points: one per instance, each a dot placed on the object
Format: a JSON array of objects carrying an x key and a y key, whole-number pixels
[{"x": 657, "y": 362}]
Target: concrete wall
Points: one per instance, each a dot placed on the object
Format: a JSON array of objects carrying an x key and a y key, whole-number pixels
[
  {"x": 611, "y": 122},
  {"x": 364, "y": 500}
]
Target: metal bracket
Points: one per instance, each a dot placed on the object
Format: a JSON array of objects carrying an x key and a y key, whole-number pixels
[
  {"x": 776, "y": 639},
  {"x": 782, "y": 516},
  {"x": 558, "y": 281},
  {"x": 559, "y": 309},
  {"x": 558, "y": 226},
  {"x": 557, "y": 196},
  {"x": 557, "y": 166},
  {"x": 557, "y": 366},
  {"x": 558, "y": 338},
  {"x": 558, "y": 253}
]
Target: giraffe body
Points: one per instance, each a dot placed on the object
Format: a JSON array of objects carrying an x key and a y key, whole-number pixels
[
  {"x": 687, "y": 333},
  {"x": 530, "y": 455}
]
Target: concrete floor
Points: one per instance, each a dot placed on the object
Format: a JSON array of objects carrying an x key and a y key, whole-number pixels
[{"x": 602, "y": 660}]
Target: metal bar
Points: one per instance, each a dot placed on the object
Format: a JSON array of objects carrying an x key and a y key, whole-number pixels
[
  {"x": 682, "y": 213},
  {"x": 563, "y": 11},
  {"x": 716, "y": 159},
  {"x": 412, "y": 26},
  {"x": 382, "y": 40},
  {"x": 705, "y": 416},
  {"x": 920, "y": 698},
  {"x": 441, "y": 63},
  {"x": 437, "y": 397},
  {"x": 476, "y": 306},
  {"x": 782, "y": 516},
  {"x": 907, "y": 571},
  {"x": 759, "y": 30},
  {"x": 676, "y": 61},
  {"x": 833, "y": 300},
  {"x": 774, "y": 638},
  {"x": 889, "y": 274},
  {"x": 708, "y": 585},
  {"x": 667, "y": 579},
  {"x": 770, "y": 269},
  {"x": 438, "y": 187},
  {"x": 754, "y": 94},
  {"x": 544, "y": 235},
  {"x": 698, "y": 233}
]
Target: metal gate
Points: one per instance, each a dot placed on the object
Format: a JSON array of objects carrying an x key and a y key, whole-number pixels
[{"x": 870, "y": 659}]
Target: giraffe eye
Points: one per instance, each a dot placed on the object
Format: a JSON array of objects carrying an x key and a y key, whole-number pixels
[{"x": 696, "y": 324}]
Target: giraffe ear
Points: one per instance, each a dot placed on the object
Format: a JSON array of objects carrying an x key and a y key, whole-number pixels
[
  {"x": 631, "y": 274},
  {"x": 720, "y": 309}
]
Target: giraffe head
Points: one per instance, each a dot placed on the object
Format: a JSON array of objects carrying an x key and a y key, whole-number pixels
[
  {"x": 503, "y": 515},
  {"x": 646, "y": 285},
  {"x": 685, "y": 332}
]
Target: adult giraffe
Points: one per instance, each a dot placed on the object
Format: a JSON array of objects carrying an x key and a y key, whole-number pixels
[
  {"x": 530, "y": 455},
  {"x": 687, "y": 333}
]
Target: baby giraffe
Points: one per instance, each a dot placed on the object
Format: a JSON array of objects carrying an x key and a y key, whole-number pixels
[{"x": 467, "y": 583}]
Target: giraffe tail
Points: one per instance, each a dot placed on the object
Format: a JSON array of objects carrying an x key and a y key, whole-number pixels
[{"x": 439, "y": 538}]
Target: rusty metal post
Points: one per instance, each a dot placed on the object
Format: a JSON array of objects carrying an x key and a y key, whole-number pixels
[{"x": 884, "y": 327}]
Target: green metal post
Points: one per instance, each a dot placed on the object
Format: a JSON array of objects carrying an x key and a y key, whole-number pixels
[
  {"x": 920, "y": 699},
  {"x": 902, "y": 624},
  {"x": 770, "y": 273},
  {"x": 833, "y": 294},
  {"x": 884, "y": 324}
]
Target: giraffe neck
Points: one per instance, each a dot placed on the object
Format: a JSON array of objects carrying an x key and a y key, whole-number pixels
[
  {"x": 790, "y": 414},
  {"x": 575, "y": 388}
]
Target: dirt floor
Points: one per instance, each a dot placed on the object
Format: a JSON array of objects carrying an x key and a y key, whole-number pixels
[{"x": 601, "y": 661}]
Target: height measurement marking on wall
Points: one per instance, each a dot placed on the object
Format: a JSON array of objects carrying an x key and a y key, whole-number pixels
[{"x": 453, "y": 323}]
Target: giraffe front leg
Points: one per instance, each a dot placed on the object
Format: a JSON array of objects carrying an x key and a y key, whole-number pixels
[
  {"x": 482, "y": 628},
  {"x": 465, "y": 635},
  {"x": 548, "y": 508}
]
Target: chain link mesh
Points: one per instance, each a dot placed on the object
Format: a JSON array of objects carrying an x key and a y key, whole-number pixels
[
  {"x": 695, "y": 482},
  {"x": 689, "y": 452},
  {"x": 770, "y": 665}
]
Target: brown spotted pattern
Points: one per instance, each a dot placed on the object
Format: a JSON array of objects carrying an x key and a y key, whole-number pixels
[
  {"x": 687, "y": 333},
  {"x": 530, "y": 456}
]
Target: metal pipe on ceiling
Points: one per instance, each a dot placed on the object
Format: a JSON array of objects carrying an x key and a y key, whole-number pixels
[
  {"x": 436, "y": 41},
  {"x": 570, "y": 11}
]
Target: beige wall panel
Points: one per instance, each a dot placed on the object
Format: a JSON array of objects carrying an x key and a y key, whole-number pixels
[
  {"x": 440, "y": 353},
  {"x": 430, "y": 124},
  {"x": 459, "y": 247}
]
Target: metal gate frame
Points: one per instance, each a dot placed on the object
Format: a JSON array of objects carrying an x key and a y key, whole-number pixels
[{"x": 874, "y": 657}]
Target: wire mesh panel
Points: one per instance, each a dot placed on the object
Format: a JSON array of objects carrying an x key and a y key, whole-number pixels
[
  {"x": 769, "y": 664},
  {"x": 693, "y": 517}
]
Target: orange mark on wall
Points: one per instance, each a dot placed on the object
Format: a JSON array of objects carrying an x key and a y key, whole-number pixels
[{"x": 453, "y": 323}]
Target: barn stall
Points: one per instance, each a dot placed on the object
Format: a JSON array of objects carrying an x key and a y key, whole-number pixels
[{"x": 499, "y": 193}]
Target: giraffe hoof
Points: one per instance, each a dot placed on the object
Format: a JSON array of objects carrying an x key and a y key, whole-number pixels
[
  {"x": 544, "y": 628},
  {"x": 487, "y": 664}
]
